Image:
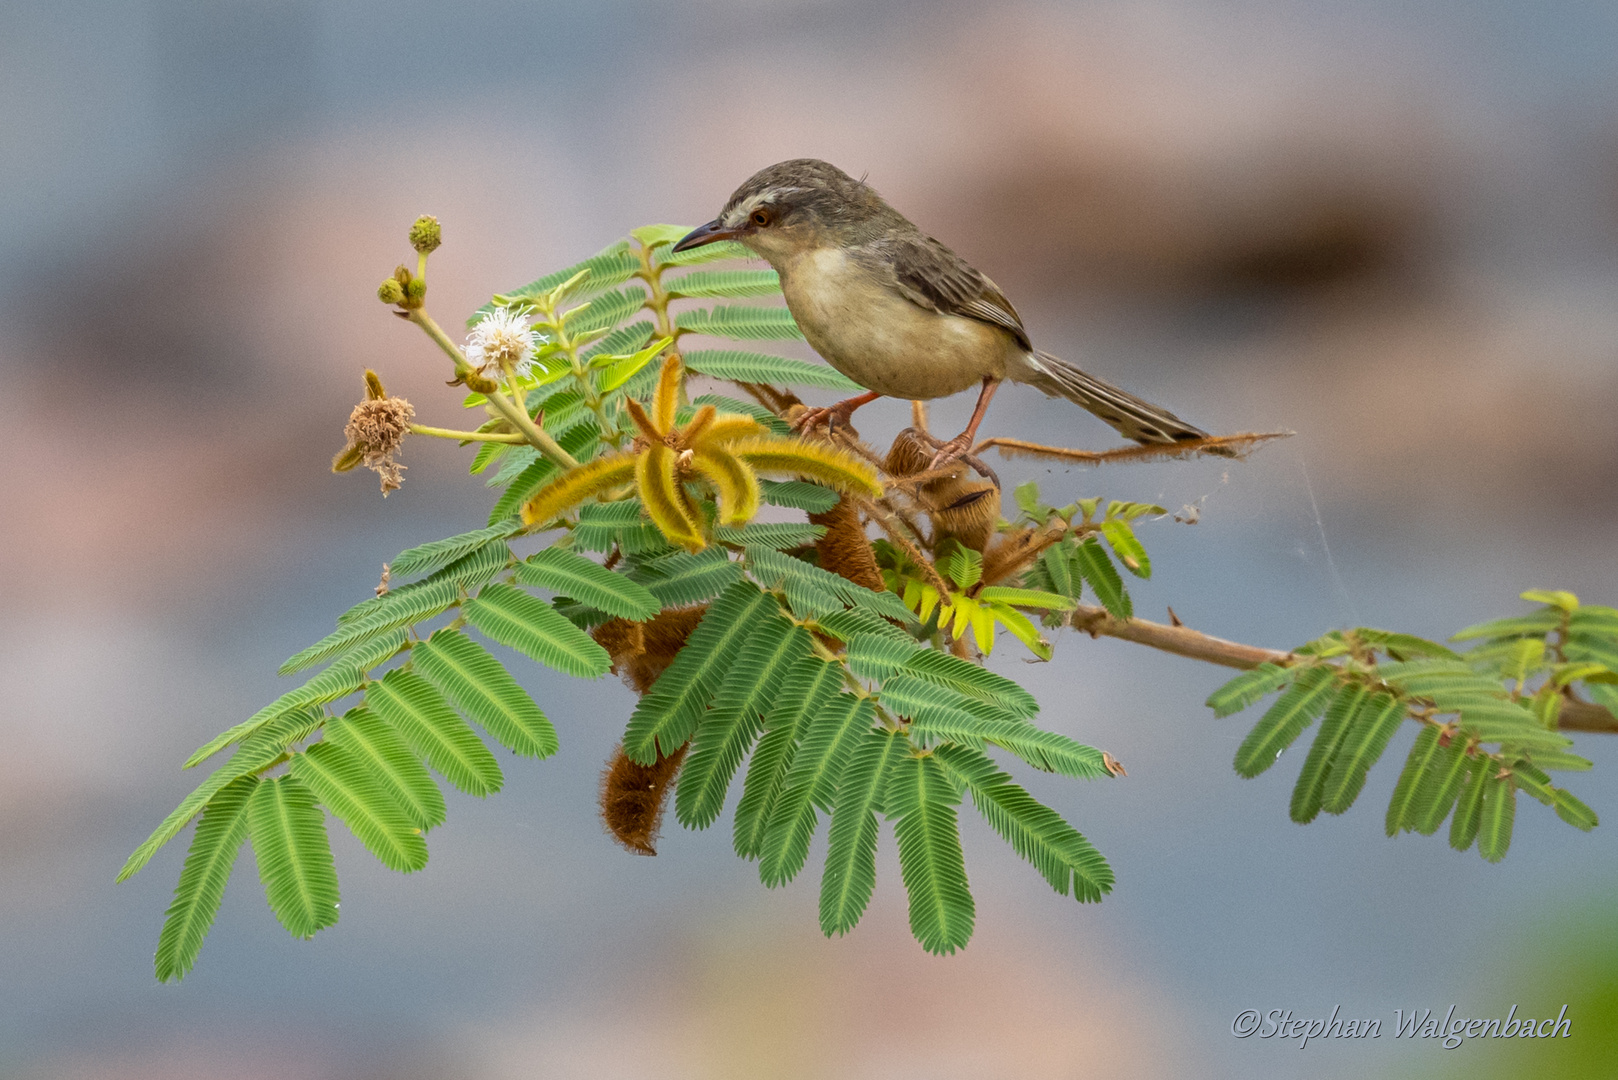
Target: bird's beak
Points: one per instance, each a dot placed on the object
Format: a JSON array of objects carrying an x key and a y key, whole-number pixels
[{"x": 705, "y": 234}]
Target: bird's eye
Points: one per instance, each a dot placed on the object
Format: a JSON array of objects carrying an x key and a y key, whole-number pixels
[{"x": 760, "y": 217}]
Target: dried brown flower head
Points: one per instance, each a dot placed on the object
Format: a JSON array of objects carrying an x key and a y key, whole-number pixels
[{"x": 375, "y": 430}]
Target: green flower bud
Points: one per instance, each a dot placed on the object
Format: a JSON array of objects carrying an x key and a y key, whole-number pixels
[
  {"x": 390, "y": 291},
  {"x": 416, "y": 291},
  {"x": 425, "y": 235}
]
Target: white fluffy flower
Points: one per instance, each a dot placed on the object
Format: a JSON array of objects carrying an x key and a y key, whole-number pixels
[{"x": 503, "y": 337}]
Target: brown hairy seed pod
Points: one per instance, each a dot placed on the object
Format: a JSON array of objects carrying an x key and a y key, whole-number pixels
[
  {"x": 959, "y": 507},
  {"x": 1014, "y": 553},
  {"x": 633, "y": 797},
  {"x": 632, "y": 794},
  {"x": 844, "y": 549},
  {"x": 641, "y": 651}
]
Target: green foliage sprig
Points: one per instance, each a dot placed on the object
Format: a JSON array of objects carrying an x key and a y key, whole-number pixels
[
  {"x": 840, "y": 677},
  {"x": 1488, "y": 718}
]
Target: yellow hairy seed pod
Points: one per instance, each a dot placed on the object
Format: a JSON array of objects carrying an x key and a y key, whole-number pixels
[
  {"x": 667, "y": 399},
  {"x": 729, "y": 427},
  {"x": 835, "y": 468},
  {"x": 908, "y": 455},
  {"x": 648, "y": 429},
  {"x": 576, "y": 485},
  {"x": 845, "y": 550},
  {"x": 697, "y": 429},
  {"x": 736, "y": 484},
  {"x": 657, "y": 477},
  {"x": 960, "y": 507},
  {"x": 972, "y": 513}
]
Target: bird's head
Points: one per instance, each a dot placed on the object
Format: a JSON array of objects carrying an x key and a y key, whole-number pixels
[{"x": 793, "y": 207}]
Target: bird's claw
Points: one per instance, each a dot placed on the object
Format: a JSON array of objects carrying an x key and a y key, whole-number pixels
[
  {"x": 956, "y": 450},
  {"x": 833, "y": 416},
  {"x": 951, "y": 451}
]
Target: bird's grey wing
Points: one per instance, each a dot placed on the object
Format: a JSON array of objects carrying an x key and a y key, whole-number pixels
[{"x": 932, "y": 276}]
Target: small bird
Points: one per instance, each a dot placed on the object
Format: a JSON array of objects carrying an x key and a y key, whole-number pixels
[{"x": 897, "y": 311}]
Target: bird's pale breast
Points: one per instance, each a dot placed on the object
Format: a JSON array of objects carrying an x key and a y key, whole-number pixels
[{"x": 869, "y": 332}]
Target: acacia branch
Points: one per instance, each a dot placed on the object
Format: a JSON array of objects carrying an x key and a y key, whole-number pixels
[{"x": 1575, "y": 715}]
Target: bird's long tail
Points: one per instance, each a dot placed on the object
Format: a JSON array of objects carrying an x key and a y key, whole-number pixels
[{"x": 1135, "y": 418}]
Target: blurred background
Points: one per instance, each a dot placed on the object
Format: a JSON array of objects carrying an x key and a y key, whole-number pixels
[{"x": 1389, "y": 227}]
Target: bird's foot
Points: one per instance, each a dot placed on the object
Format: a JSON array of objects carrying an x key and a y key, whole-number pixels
[
  {"x": 951, "y": 451},
  {"x": 832, "y": 416},
  {"x": 956, "y": 450}
]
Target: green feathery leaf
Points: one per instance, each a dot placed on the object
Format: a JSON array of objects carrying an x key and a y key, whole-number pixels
[
  {"x": 736, "y": 717},
  {"x": 1438, "y": 788},
  {"x": 335, "y": 682},
  {"x": 669, "y": 712},
  {"x": 367, "y": 737},
  {"x": 722, "y": 249},
  {"x": 972, "y": 681},
  {"x": 828, "y": 738},
  {"x": 612, "y": 266},
  {"x": 877, "y": 656},
  {"x": 1369, "y": 730},
  {"x": 207, "y": 869},
  {"x": 428, "y": 557},
  {"x": 923, "y": 799},
  {"x": 1424, "y": 756},
  {"x": 683, "y": 578},
  {"x": 1308, "y": 792},
  {"x": 630, "y": 338},
  {"x": 814, "y": 586},
  {"x": 257, "y": 752},
  {"x": 465, "y": 573},
  {"x": 411, "y": 607},
  {"x": 1463, "y": 827},
  {"x": 741, "y": 322},
  {"x": 606, "y": 310},
  {"x": 776, "y": 535},
  {"x": 1403, "y": 646},
  {"x": 799, "y": 495},
  {"x": 711, "y": 284},
  {"x": 1036, "y": 832},
  {"x": 589, "y": 582},
  {"x": 482, "y": 689},
  {"x": 1092, "y": 563},
  {"x": 414, "y": 706},
  {"x": 1574, "y": 812},
  {"x": 753, "y": 367},
  {"x": 294, "y": 858},
  {"x": 601, "y": 523},
  {"x": 850, "y": 875},
  {"x": 1248, "y": 687},
  {"x": 849, "y": 623},
  {"x": 1292, "y": 712},
  {"x": 805, "y": 689},
  {"x": 1121, "y": 538},
  {"x": 1495, "y": 818},
  {"x": 531, "y": 626},
  {"x": 1062, "y": 576},
  {"x": 1537, "y": 624},
  {"x": 352, "y": 792}
]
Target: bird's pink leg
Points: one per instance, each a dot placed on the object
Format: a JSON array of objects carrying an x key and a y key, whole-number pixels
[
  {"x": 832, "y": 415},
  {"x": 959, "y": 445}
]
